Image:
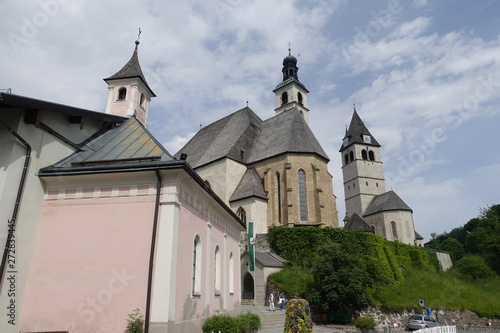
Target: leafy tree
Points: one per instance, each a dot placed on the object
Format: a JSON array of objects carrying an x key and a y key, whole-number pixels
[
  {"x": 340, "y": 280},
  {"x": 454, "y": 247},
  {"x": 473, "y": 266}
]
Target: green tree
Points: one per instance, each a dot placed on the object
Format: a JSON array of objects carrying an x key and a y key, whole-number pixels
[
  {"x": 340, "y": 280},
  {"x": 454, "y": 247},
  {"x": 473, "y": 266}
]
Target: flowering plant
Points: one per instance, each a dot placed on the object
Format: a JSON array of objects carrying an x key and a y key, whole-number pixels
[{"x": 298, "y": 317}]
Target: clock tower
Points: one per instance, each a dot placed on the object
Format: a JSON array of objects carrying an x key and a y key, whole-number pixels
[{"x": 361, "y": 167}]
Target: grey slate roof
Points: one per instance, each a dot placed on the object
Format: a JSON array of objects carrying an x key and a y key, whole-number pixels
[
  {"x": 418, "y": 236},
  {"x": 355, "y": 222},
  {"x": 269, "y": 259},
  {"x": 244, "y": 137},
  {"x": 356, "y": 131},
  {"x": 129, "y": 145},
  {"x": 131, "y": 69},
  {"x": 250, "y": 186},
  {"x": 288, "y": 81},
  {"x": 387, "y": 201}
]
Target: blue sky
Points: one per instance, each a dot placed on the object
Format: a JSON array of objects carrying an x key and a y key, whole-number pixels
[{"x": 425, "y": 77}]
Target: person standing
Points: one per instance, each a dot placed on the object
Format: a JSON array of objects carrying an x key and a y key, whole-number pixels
[
  {"x": 282, "y": 301},
  {"x": 271, "y": 302}
]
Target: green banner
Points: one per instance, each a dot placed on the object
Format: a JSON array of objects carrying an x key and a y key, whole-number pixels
[{"x": 251, "y": 246}]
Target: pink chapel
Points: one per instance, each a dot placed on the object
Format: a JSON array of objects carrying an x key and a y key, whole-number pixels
[{"x": 103, "y": 220}]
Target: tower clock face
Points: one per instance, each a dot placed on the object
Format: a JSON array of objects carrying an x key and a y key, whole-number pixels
[
  {"x": 367, "y": 139},
  {"x": 346, "y": 141}
]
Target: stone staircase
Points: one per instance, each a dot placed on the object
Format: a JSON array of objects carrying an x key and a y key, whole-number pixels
[{"x": 272, "y": 319}]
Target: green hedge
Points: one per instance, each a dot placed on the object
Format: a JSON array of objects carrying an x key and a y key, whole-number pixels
[
  {"x": 385, "y": 259},
  {"x": 244, "y": 323}
]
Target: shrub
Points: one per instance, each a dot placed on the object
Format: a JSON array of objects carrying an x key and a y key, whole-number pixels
[
  {"x": 253, "y": 322},
  {"x": 135, "y": 322},
  {"x": 223, "y": 323},
  {"x": 365, "y": 322}
]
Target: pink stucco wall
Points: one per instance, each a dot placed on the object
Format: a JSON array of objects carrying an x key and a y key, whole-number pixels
[
  {"x": 192, "y": 223},
  {"x": 90, "y": 266}
]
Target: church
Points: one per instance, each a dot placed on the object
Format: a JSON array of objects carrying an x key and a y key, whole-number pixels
[
  {"x": 103, "y": 220},
  {"x": 272, "y": 172},
  {"x": 369, "y": 207}
]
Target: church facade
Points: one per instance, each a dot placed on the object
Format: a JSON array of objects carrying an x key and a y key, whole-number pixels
[
  {"x": 369, "y": 207},
  {"x": 272, "y": 172}
]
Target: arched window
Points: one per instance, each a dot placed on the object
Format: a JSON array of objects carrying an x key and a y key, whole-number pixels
[
  {"x": 231, "y": 273},
  {"x": 346, "y": 158},
  {"x": 394, "y": 230},
  {"x": 278, "y": 190},
  {"x": 299, "y": 97},
  {"x": 302, "y": 195},
  {"x": 242, "y": 215},
  {"x": 284, "y": 98},
  {"x": 196, "y": 289},
  {"x": 217, "y": 271},
  {"x": 364, "y": 155},
  {"x": 371, "y": 155},
  {"x": 141, "y": 101},
  {"x": 122, "y": 94},
  {"x": 351, "y": 156}
]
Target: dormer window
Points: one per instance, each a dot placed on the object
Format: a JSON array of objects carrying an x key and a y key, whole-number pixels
[{"x": 122, "y": 94}]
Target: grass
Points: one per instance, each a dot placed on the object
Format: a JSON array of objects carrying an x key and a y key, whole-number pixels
[{"x": 441, "y": 291}]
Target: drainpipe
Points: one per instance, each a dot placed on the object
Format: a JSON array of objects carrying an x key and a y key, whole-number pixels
[
  {"x": 152, "y": 253},
  {"x": 13, "y": 220}
]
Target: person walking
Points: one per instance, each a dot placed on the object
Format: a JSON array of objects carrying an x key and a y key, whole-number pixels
[
  {"x": 271, "y": 302},
  {"x": 282, "y": 301}
]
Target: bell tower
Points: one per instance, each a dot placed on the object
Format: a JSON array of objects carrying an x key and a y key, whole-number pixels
[
  {"x": 361, "y": 167},
  {"x": 128, "y": 91},
  {"x": 291, "y": 93}
]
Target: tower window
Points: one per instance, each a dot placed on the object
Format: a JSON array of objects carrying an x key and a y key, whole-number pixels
[
  {"x": 284, "y": 98},
  {"x": 122, "y": 94},
  {"x": 346, "y": 158},
  {"x": 242, "y": 215},
  {"x": 141, "y": 102},
  {"x": 231, "y": 273},
  {"x": 351, "y": 156},
  {"x": 371, "y": 155},
  {"x": 366, "y": 183},
  {"x": 299, "y": 97},
  {"x": 364, "y": 154},
  {"x": 302, "y": 195}
]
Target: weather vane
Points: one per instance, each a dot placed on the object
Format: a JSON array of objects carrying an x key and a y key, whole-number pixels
[{"x": 139, "y": 34}]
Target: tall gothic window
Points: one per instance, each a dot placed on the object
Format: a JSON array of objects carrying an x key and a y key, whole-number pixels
[
  {"x": 351, "y": 156},
  {"x": 217, "y": 271},
  {"x": 299, "y": 97},
  {"x": 196, "y": 288},
  {"x": 364, "y": 155},
  {"x": 278, "y": 189},
  {"x": 394, "y": 230},
  {"x": 231, "y": 273},
  {"x": 302, "y": 195}
]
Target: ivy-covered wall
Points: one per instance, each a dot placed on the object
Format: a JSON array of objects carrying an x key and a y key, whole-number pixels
[{"x": 385, "y": 259}]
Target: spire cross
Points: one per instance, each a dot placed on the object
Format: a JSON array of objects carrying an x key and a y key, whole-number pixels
[
  {"x": 139, "y": 34},
  {"x": 289, "y": 48}
]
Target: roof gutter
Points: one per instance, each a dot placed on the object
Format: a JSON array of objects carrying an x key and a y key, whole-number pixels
[{"x": 13, "y": 220}]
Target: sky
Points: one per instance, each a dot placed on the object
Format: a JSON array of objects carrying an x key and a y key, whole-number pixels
[{"x": 424, "y": 77}]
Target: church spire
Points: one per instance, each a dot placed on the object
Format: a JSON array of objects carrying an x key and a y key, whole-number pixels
[
  {"x": 358, "y": 133},
  {"x": 128, "y": 91},
  {"x": 291, "y": 93}
]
